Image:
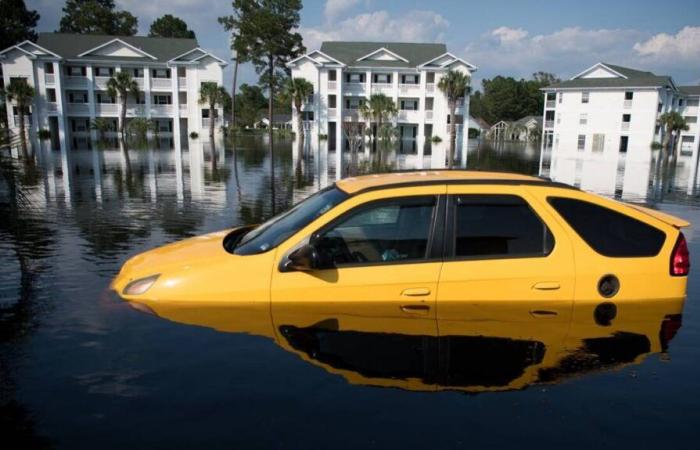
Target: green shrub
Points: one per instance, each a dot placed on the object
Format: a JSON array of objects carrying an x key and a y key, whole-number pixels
[
  {"x": 44, "y": 134},
  {"x": 194, "y": 135},
  {"x": 322, "y": 136},
  {"x": 436, "y": 139},
  {"x": 656, "y": 145}
]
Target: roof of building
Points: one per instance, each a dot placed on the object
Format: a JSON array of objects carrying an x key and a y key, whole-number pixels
[
  {"x": 276, "y": 118},
  {"x": 71, "y": 46},
  {"x": 526, "y": 119},
  {"x": 690, "y": 90},
  {"x": 409, "y": 55},
  {"x": 387, "y": 180},
  {"x": 625, "y": 77},
  {"x": 484, "y": 125}
]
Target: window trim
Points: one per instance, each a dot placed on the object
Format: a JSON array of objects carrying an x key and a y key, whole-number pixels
[
  {"x": 451, "y": 227},
  {"x": 434, "y": 250}
]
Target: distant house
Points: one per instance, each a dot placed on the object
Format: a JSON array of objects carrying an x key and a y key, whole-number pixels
[
  {"x": 527, "y": 128},
  {"x": 479, "y": 124},
  {"x": 279, "y": 122}
]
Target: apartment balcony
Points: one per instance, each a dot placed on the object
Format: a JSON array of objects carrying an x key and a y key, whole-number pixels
[
  {"x": 383, "y": 88},
  {"x": 107, "y": 109},
  {"x": 332, "y": 113},
  {"x": 135, "y": 110},
  {"x": 549, "y": 124},
  {"x": 409, "y": 89},
  {"x": 74, "y": 109},
  {"x": 162, "y": 110},
  {"x": 430, "y": 88},
  {"x": 182, "y": 83},
  {"x": 49, "y": 79},
  {"x": 183, "y": 108},
  {"x": 627, "y": 104},
  {"x": 551, "y": 104},
  {"x": 625, "y": 126},
  {"x": 101, "y": 83},
  {"x": 206, "y": 122},
  {"x": 690, "y": 111},
  {"x": 351, "y": 115},
  {"x": 358, "y": 88},
  {"x": 76, "y": 82},
  {"x": 429, "y": 116},
  {"x": 332, "y": 85},
  {"x": 162, "y": 84},
  {"x": 140, "y": 82},
  {"x": 409, "y": 116}
]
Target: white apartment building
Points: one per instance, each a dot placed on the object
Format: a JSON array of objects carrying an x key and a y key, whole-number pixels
[
  {"x": 345, "y": 74},
  {"x": 608, "y": 110},
  {"x": 70, "y": 72}
]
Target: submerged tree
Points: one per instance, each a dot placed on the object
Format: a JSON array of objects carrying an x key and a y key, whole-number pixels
[
  {"x": 379, "y": 109},
  {"x": 120, "y": 85},
  {"x": 672, "y": 123},
  {"x": 296, "y": 91},
  {"x": 455, "y": 86},
  {"x": 20, "y": 92},
  {"x": 213, "y": 95}
]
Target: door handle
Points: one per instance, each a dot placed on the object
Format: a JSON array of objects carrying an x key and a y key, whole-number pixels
[
  {"x": 546, "y": 286},
  {"x": 416, "y": 292},
  {"x": 543, "y": 313},
  {"x": 415, "y": 309}
]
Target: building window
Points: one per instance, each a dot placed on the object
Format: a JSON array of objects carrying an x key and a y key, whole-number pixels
[
  {"x": 560, "y": 97},
  {"x": 307, "y": 116},
  {"x": 585, "y": 97},
  {"x": 430, "y": 77},
  {"x": 429, "y": 103},
  {"x": 624, "y": 142},
  {"x": 332, "y": 74},
  {"x": 692, "y": 102},
  {"x": 691, "y": 119},
  {"x": 626, "y": 118},
  {"x": 310, "y": 99},
  {"x": 137, "y": 72},
  {"x": 77, "y": 97},
  {"x": 48, "y": 67},
  {"x": 629, "y": 95},
  {"x": 205, "y": 113},
  {"x": 680, "y": 102},
  {"x": 409, "y": 79},
  {"x": 354, "y": 102},
  {"x": 581, "y": 142},
  {"x": 583, "y": 119},
  {"x": 162, "y": 100},
  {"x": 331, "y": 101},
  {"x": 160, "y": 73},
  {"x": 657, "y": 130},
  {"x": 103, "y": 97},
  {"x": 598, "y": 142},
  {"x": 408, "y": 104},
  {"x": 104, "y": 71},
  {"x": 660, "y": 107},
  {"x": 51, "y": 95},
  {"x": 382, "y": 78},
  {"x": 75, "y": 71},
  {"x": 355, "y": 77}
]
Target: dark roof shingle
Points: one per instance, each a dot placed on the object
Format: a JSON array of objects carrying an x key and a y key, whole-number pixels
[
  {"x": 349, "y": 52},
  {"x": 635, "y": 78}
]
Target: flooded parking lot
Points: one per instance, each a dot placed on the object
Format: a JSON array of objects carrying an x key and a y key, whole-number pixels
[{"x": 80, "y": 368}]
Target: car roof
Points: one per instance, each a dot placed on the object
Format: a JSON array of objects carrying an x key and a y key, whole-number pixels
[{"x": 354, "y": 185}]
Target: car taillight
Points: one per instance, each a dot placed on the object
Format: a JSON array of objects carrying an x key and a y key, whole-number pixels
[{"x": 680, "y": 258}]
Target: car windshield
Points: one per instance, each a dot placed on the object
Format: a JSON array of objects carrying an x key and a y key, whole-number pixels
[{"x": 273, "y": 232}]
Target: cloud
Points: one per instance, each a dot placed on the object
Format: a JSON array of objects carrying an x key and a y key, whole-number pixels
[
  {"x": 683, "y": 46},
  {"x": 509, "y": 35},
  {"x": 334, "y": 8},
  {"x": 411, "y": 26}
]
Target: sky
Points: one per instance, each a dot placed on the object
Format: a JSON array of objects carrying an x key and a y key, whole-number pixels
[{"x": 506, "y": 37}]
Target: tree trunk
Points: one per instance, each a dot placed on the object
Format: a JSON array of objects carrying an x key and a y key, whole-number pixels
[
  {"x": 666, "y": 142},
  {"x": 212, "y": 116},
  {"x": 22, "y": 133},
  {"x": 122, "y": 118},
  {"x": 300, "y": 125},
  {"x": 453, "y": 135},
  {"x": 233, "y": 95}
]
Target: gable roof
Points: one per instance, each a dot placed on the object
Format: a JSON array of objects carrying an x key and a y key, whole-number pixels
[
  {"x": 351, "y": 53},
  {"x": 525, "y": 120},
  {"x": 382, "y": 50},
  {"x": 72, "y": 46},
  {"x": 627, "y": 78}
]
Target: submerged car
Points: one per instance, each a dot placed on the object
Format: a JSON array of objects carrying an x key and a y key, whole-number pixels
[{"x": 413, "y": 249}]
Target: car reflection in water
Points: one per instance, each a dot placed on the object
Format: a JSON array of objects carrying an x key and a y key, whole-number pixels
[{"x": 497, "y": 352}]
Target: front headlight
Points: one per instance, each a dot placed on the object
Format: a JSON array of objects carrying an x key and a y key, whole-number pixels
[{"x": 140, "y": 286}]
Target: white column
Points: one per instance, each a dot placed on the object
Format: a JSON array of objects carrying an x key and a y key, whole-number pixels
[
  {"x": 147, "y": 90},
  {"x": 395, "y": 91},
  {"x": 60, "y": 106},
  {"x": 176, "y": 106},
  {"x": 465, "y": 133},
  {"x": 421, "y": 106},
  {"x": 340, "y": 106},
  {"x": 89, "y": 71}
]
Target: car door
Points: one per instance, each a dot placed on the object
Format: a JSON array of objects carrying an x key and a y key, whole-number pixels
[
  {"x": 383, "y": 271},
  {"x": 508, "y": 266}
]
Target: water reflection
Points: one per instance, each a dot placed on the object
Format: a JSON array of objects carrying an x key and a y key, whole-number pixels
[{"x": 505, "y": 352}]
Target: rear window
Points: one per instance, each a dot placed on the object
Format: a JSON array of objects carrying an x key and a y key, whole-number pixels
[
  {"x": 498, "y": 226},
  {"x": 609, "y": 232}
]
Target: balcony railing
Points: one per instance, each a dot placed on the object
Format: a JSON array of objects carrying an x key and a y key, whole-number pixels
[
  {"x": 627, "y": 104},
  {"x": 49, "y": 78},
  {"x": 625, "y": 126},
  {"x": 429, "y": 115},
  {"x": 549, "y": 124},
  {"x": 135, "y": 110},
  {"x": 354, "y": 86},
  {"x": 430, "y": 88},
  {"x": 111, "y": 109},
  {"x": 140, "y": 82},
  {"x": 408, "y": 88},
  {"x": 52, "y": 107},
  {"x": 162, "y": 110},
  {"x": 182, "y": 83},
  {"x": 101, "y": 83},
  {"x": 78, "y": 108},
  {"x": 351, "y": 115},
  {"x": 183, "y": 107},
  {"x": 76, "y": 81},
  {"x": 161, "y": 83},
  {"x": 551, "y": 103},
  {"x": 207, "y": 121},
  {"x": 332, "y": 85},
  {"x": 332, "y": 113}
]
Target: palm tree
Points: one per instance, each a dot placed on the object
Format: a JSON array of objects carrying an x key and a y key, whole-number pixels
[
  {"x": 102, "y": 126},
  {"x": 672, "y": 123},
  {"x": 379, "y": 109},
  {"x": 22, "y": 94},
  {"x": 211, "y": 94},
  {"x": 120, "y": 85},
  {"x": 454, "y": 85},
  {"x": 297, "y": 90}
]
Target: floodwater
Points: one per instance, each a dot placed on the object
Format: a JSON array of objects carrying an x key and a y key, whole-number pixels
[{"x": 81, "y": 369}]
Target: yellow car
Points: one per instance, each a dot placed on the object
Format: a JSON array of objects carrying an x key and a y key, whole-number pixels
[{"x": 415, "y": 249}]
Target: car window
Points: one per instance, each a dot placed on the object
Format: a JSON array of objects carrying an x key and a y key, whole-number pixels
[
  {"x": 383, "y": 232},
  {"x": 498, "y": 226},
  {"x": 609, "y": 232},
  {"x": 276, "y": 230}
]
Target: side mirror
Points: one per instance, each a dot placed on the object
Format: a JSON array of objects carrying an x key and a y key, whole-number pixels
[{"x": 303, "y": 259}]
